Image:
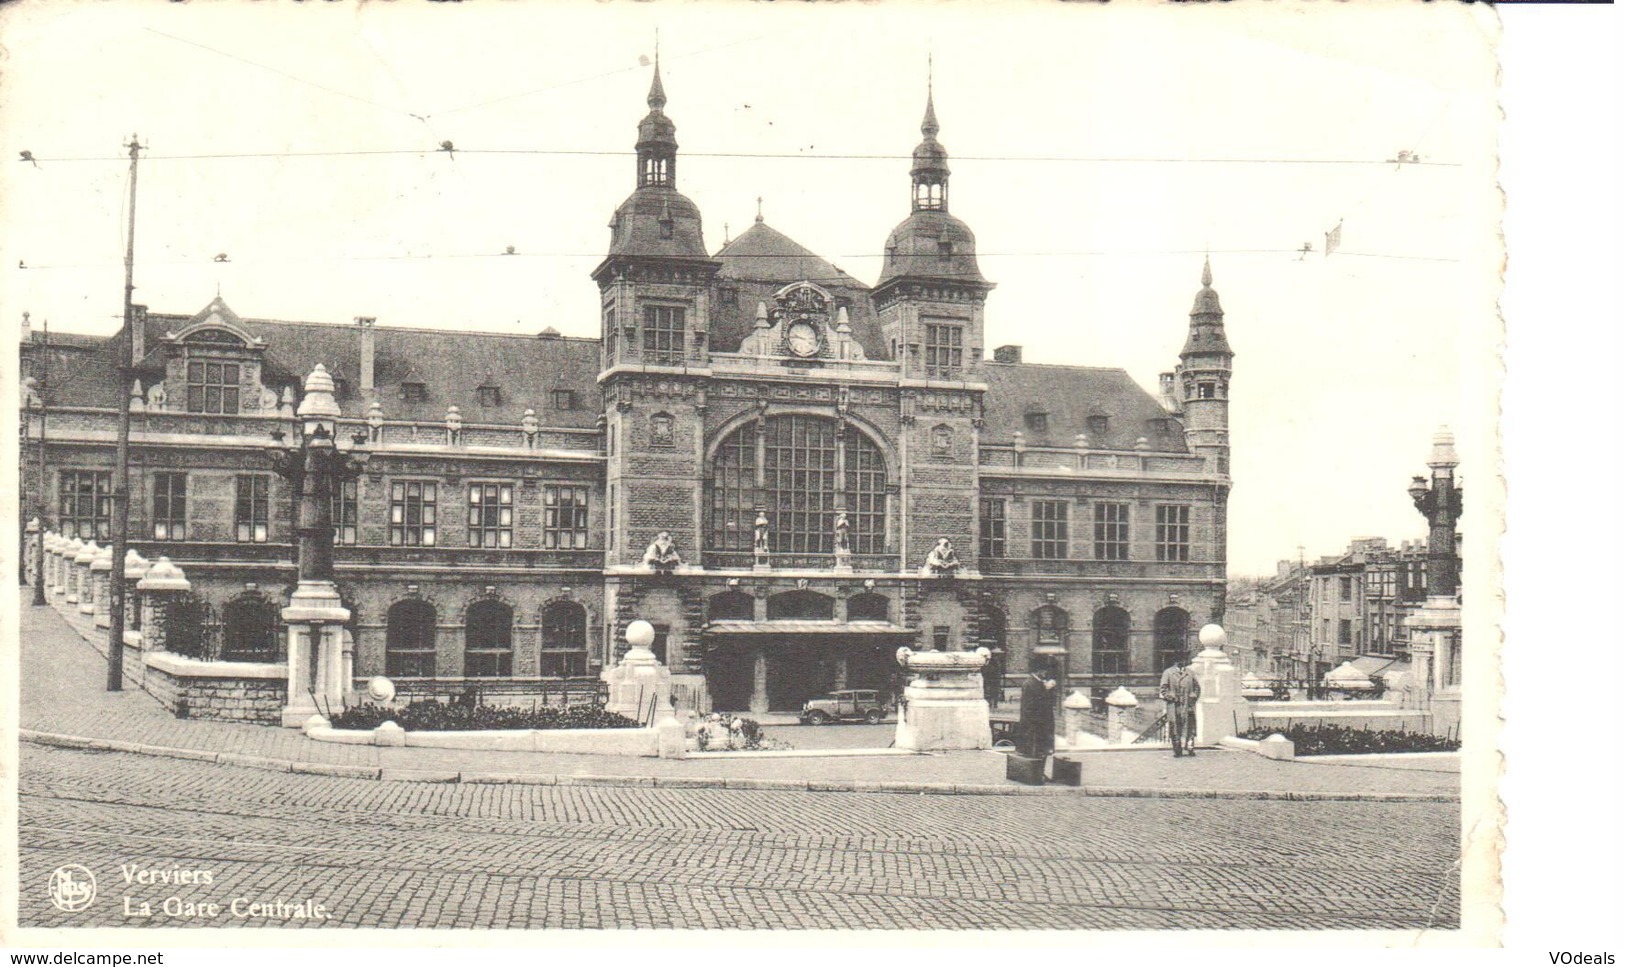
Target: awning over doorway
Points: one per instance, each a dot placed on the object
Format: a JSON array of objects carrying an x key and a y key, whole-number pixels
[{"x": 785, "y": 627}]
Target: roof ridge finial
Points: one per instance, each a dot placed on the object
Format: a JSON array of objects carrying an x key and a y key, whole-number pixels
[
  {"x": 657, "y": 92},
  {"x": 929, "y": 126},
  {"x": 758, "y": 209}
]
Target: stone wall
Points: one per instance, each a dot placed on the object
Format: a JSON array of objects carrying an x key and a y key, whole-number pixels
[{"x": 220, "y": 696}]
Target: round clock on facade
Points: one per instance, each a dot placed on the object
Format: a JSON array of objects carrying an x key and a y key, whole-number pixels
[{"x": 803, "y": 339}]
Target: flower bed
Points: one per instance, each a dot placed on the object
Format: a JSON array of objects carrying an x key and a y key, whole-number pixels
[
  {"x": 717, "y": 733},
  {"x": 431, "y": 716},
  {"x": 1310, "y": 740}
]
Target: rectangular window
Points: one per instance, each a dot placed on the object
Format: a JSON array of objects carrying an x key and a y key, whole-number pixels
[
  {"x": 1345, "y": 631},
  {"x": 992, "y": 527},
  {"x": 663, "y": 334},
  {"x": 169, "y": 506},
  {"x": 346, "y": 511},
  {"x": 564, "y": 399},
  {"x": 490, "y": 515},
  {"x": 253, "y": 513},
  {"x": 414, "y": 392},
  {"x": 1345, "y": 589},
  {"x": 412, "y": 520},
  {"x": 944, "y": 351},
  {"x": 489, "y": 395},
  {"x": 87, "y": 504},
  {"x": 609, "y": 535},
  {"x": 212, "y": 387},
  {"x": 1050, "y": 529},
  {"x": 1111, "y": 531},
  {"x": 564, "y": 517},
  {"x": 1173, "y": 532}
]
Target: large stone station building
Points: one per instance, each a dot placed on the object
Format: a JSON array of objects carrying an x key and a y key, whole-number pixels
[{"x": 790, "y": 473}]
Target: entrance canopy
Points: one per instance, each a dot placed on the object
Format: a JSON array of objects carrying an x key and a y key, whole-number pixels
[{"x": 823, "y": 628}]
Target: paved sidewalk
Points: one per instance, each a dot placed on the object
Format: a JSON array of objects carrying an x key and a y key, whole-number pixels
[{"x": 64, "y": 701}]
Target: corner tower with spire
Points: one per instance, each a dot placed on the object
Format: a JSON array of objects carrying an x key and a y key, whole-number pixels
[{"x": 1202, "y": 381}]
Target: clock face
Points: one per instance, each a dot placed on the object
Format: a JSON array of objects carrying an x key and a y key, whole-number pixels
[{"x": 803, "y": 339}]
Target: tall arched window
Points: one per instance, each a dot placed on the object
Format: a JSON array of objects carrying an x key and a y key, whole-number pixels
[
  {"x": 249, "y": 627},
  {"x": 1172, "y": 635},
  {"x": 409, "y": 640},
  {"x": 488, "y": 640},
  {"x": 801, "y": 458},
  {"x": 564, "y": 640},
  {"x": 1110, "y": 641}
]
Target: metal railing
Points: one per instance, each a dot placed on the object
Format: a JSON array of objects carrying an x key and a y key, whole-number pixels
[{"x": 560, "y": 692}]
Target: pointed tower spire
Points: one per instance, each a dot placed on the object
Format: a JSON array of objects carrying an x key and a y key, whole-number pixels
[
  {"x": 657, "y": 92},
  {"x": 1207, "y": 272},
  {"x": 929, "y": 126},
  {"x": 930, "y": 170},
  {"x": 657, "y": 138}
]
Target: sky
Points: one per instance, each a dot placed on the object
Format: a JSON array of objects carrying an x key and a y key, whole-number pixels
[{"x": 1098, "y": 152}]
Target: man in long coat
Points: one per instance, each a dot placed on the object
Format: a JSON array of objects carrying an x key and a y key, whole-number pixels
[
  {"x": 1037, "y": 723},
  {"x": 1179, "y": 691}
]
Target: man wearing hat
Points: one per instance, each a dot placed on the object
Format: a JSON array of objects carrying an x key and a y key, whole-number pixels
[
  {"x": 1180, "y": 690},
  {"x": 1036, "y": 731}
]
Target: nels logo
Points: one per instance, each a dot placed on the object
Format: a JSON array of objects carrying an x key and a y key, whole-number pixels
[{"x": 72, "y": 888}]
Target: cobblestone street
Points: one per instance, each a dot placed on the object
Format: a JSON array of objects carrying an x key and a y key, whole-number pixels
[{"x": 413, "y": 854}]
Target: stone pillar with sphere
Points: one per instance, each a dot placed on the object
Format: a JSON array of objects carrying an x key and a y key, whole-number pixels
[
  {"x": 944, "y": 705},
  {"x": 1222, "y": 710},
  {"x": 639, "y": 682}
]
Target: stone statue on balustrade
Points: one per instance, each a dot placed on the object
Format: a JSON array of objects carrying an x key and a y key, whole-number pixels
[
  {"x": 942, "y": 561},
  {"x": 759, "y": 541},
  {"x": 662, "y": 554}
]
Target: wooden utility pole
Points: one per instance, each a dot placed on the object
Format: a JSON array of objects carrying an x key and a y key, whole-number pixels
[
  {"x": 121, "y": 468},
  {"x": 42, "y": 375}
]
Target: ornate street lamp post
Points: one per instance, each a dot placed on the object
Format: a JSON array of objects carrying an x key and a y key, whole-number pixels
[
  {"x": 1435, "y": 629},
  {"x": 315, "y": 615}
]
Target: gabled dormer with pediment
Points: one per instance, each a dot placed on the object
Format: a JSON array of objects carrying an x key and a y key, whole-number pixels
[{"x": 213, "y": 366}]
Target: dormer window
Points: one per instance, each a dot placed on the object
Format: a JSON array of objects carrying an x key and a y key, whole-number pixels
[
  {"x": 1037, "y": 422},
  {"x": 489, "y": 395},
  {"x": 213, "y": 387},
  {"x": 1097, "y": 426},
  {"x": 414, "y": 392},
  {"x": 564, "y": 399},
  {"x": 945, "y": 248}
]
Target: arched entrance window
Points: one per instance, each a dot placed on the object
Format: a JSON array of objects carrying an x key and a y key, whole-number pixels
[
  {"x": 564, "y": 640},
  {"x": 249, "y": 629},
  {"x": 1110, "y": 641},
  {"x": 803, "y": 605},
  {"x": 488, "y": 640},
  {"x": 1172, "y": 628},
  {"x": 868, "y": 607},
  {"x": 731, "y": 606},
  {"x": 801, "y": 457},
  {"x": 409, "y": 640}
]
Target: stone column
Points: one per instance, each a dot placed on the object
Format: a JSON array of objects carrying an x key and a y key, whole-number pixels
[
  {"x": 639, "y": 681},
  {"x": 315, "y": 618},
  {"x": 33, "y": 535},
  {"x": 70, "y": 577},
  {"x": 84, "y": 590},
  {"x": 1118, "y": 702},
  {"x": 135, "y": 568},
  {"x": 758, "y": 689},
  {"x": 945, "y": 706},
  {"x": 1073, "y": 709},
  {"x": 160, "y": 586},
  {"x": 51, "y": 541},
  {"x": 1222, "y": 710},
  {"x": 101, "y": 571}
]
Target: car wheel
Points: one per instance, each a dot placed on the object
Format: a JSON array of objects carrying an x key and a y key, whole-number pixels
[
  {"x": 817, "y": 718},
  {"x": 873, "y": 716}
]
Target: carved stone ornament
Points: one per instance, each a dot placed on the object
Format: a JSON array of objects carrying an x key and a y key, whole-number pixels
[
  {"x": 662, "y": 554},
  {"x": 942, "y": 561}
]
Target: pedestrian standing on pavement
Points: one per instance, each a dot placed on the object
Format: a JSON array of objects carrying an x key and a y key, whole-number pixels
[
  {"x": 1179, "y": 691},
  {"x": 1037, "y": 724}
]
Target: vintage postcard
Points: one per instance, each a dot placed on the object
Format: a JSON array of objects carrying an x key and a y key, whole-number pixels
[{"x": 708, "y": 468}]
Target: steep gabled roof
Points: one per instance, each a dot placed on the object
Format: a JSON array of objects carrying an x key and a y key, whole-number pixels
[{"x": 1068, "y": 396}]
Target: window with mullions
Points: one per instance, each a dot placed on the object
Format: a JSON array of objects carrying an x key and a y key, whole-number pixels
[
  {"x": 253, "y": 510},
  {"x": 663, "y": 334},
  {"x": 490, "y": 515},
  {"x": 564, "y": 517},
  {"x": 412, "y": 519},
  {"x": 991, "y": 530},
  {"x": 169, "y": 506},
  {"x": 1111, "y": 531},
  {"x": 213, "y": 387},
  {"x": 944, "y": 350},
  {"x": 87, "y": 504},
  {"x": 346, "y": 513},
  {"x": 1173, "y": 532},
  {"x": 1050, "y": 529},
  {"x": 802, "y": 487}
]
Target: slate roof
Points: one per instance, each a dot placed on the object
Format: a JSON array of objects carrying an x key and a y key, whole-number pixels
[
  {"x": 1068, "y": 396},
  {"x": 451, "y": 365},
  {"x": 763, "y": 260}
]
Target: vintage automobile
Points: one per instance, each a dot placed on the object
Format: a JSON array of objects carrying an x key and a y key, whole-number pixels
[{"x": 855, "y": 703}]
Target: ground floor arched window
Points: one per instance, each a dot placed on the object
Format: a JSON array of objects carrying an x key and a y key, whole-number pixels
[
  {"x": 868, "y": 607},
  {"x": 1172, "y": 636},
  {"x": 1110, "y": 641},
  {"x": 564, "y": 640},
  {"x": 488, "y": 640},
  {"x": 731, "y": 606},
  {"x": 409, "y": 640},
  {"x": 250, "y": 630}
]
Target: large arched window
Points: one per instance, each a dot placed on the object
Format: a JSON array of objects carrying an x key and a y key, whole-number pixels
[
  {"x": 249, "y": 629},
  {"x": 802, "y": 458},
  {"x": 803, "y": 605},
  {"x": 409, "y": 640},
  {"x": 488, "y": 640},
  {"x": 731, "y": 606},
  {"x": 1110, "y": 641},
  {"x": 1171, "y": 631},
  {"x": 868, "y": 606},
  {"x": 564, "y": 640}
]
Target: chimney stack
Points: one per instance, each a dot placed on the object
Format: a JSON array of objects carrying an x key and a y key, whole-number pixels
[
  {"x": 1007, "y": 354},
  {"x": 365, "y": 324},
  {"x": 138, "y": 333}
]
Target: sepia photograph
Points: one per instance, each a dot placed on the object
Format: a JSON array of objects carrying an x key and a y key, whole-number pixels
[{"x": 706, "y": 468}]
